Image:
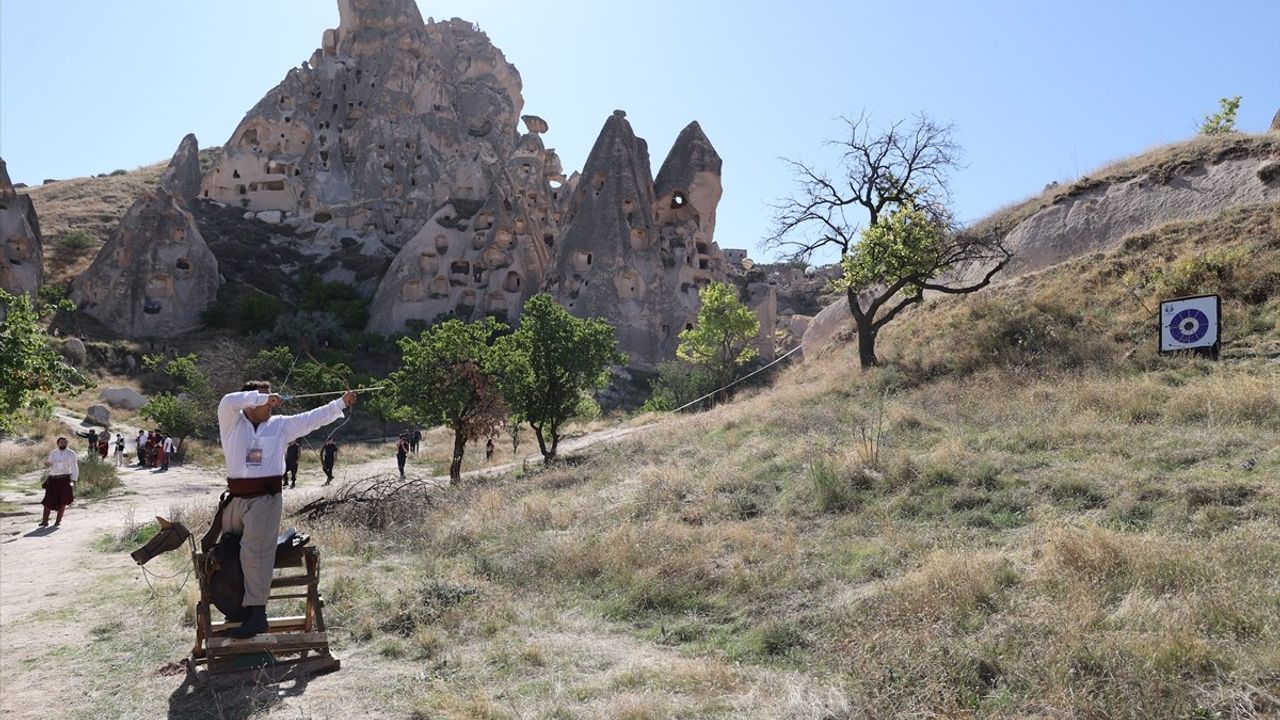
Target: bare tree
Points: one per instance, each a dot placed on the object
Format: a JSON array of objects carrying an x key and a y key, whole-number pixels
[
  {"x": 895, "y": 181},
  {"x": 879, "y": 170}
]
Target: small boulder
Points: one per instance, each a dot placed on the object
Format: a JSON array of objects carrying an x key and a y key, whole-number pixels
[
  {"x": 534, "y": 124},
  {"x": 122, "y": 397},
  {"x": 74, "y": 350},
  {"x": 98, "y": 415},
  {"x": 271, "y": 217}
]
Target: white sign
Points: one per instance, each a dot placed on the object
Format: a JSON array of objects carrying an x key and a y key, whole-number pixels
[{"x": 1189, "y": 323}]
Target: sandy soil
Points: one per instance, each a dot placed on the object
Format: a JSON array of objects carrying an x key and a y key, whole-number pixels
[{"x": 46, "y": 613}]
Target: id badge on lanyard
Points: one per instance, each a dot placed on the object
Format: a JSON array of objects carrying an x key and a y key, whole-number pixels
[{"x": 253, "y": 458}]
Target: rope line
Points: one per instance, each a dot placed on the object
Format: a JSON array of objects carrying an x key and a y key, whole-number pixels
[{"x": 735, "y": 382}]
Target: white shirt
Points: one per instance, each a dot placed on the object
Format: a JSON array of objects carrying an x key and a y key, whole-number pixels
[
  {"x": 168, "y": 445},
  {"x": 65, "y": 462},
  {"x": 141, "y": 441},
  {"x": 258, "y": 453}
]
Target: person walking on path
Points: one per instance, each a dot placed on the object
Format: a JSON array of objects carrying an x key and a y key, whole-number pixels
[
  {"x": 291, "y": 454},
  {"x": 64, "y": 471},
  {"x": 402, "y": 452},
  {"x": 414, "y": 439},
  {"x": 142, "y": 448},
  {"x": 119, "y": 450},
  {"x": 488, "y": 450},
  {"x": 253, "y": 444},
  {"x": 93, "y": 443},
  {"x": 328, "y": 455},
  {"x": 104, "y": 445},
  {"x": 166, "y": 451}
]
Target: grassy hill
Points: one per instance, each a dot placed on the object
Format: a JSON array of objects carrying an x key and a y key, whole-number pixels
[{"x": 1026, "y": 512}]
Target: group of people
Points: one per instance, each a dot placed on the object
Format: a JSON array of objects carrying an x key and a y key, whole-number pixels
[
  {"x": 293, "y": 452},
  {"x": 155, "y": 448}
]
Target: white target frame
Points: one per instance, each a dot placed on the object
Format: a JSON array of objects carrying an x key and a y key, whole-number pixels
[{"x": 1191, "y": 323}]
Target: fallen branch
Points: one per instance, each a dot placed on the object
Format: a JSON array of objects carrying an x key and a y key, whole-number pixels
[{"x": 373, "y": 491}]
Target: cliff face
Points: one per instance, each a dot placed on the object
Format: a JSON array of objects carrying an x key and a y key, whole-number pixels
[{"x": 21, "y": 250}]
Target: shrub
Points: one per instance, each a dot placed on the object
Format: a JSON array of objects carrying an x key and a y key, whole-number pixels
[
  {"x": 77, "y": 240},
  {"x": 118, "y": 172},
  {"x": 97, "y": 480}
]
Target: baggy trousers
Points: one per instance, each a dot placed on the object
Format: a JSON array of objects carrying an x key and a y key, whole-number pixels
[{"x": 257, "y": 519}]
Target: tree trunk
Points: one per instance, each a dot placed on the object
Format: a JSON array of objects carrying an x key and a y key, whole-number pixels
[
  {"x": 459, "y": 446},
  {"x": 867, "y": 343},
  {"x": 555, "y": 443},
  {"x": 547, "y": 455}
]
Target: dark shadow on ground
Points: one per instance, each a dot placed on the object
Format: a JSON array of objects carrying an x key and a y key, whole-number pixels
[{"x": 235, "y": 699}]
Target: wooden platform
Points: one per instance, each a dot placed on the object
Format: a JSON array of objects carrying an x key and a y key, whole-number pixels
[{"x": 291, "y": 645}]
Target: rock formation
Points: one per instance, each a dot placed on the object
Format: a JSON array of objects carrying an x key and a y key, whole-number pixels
[
  {"x": 474, "y": 259},
  {"x": 1096, "y": 219},
  {"x": 154, "y": 276},
  {"x": 1275, "y": 123},
  {"x": 182, "y": 177},
  {"x": 21, "y": 267},
  {"x": 389, "y": 121}
]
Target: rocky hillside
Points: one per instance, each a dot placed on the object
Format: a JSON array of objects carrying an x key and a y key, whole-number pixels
[
  {"x": 1185, "y": 181},
  {"x": 393, "y": 160}
]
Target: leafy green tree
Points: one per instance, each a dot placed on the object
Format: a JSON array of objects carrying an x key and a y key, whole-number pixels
[
  {"x": 549, "y": 362},
  {"x": 448, "y": 375},
  {"x": 178, "y": 416},
  {"x": 723, "y": 338},
  {"x": 902, "y": 256},
  {"x": 384, "y": 408},
  {"x": 1223, "y": 121},
  {"x": 191, "y": 408},
  {"x": 29, "y": 368},
  {"x": 677, "y": 383}
]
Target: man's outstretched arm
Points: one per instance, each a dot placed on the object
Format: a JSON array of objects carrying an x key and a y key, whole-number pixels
[{"x": 295, "y": 426}]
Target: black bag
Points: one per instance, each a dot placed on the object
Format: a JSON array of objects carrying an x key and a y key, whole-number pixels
[{"x": 226, "y": 584}]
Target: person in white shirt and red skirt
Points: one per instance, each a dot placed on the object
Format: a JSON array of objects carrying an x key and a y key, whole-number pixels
[{"x": 64, "y": 471}]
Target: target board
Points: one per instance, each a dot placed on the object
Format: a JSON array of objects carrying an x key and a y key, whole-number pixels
[{"x": 1190, "y": 323}]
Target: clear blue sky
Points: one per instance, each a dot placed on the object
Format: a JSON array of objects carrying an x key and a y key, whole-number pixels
[{"x": 1038, "y": 91}]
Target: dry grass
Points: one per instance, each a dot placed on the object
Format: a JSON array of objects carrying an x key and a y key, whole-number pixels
[
  {"x": 1160, "y": 162},
  {"x": 1058, "y": 523},
  {"x": 90, "y": 205}
]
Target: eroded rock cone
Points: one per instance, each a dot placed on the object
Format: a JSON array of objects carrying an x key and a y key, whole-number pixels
[
  {"x": 182, "y": 177},
  {"x": 154, "y": 276},
  {"x": 21, "y": 256}
]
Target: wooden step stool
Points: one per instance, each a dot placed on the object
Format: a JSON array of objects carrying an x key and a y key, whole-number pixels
[{"x": 292, "y": 645}]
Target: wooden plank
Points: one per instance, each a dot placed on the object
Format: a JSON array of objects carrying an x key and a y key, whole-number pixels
[
  {"x": 275, "y": 624},
  {"x": 292, "y": 581},
  {"x": 267, "y": 642}
]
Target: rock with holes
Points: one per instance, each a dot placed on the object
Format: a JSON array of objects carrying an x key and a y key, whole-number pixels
[
  {"x": 182, "y": 177},
  {"x": 477, "y": 259},
  {"x": 390, "y": 120},
  {"x": 637, "y": 250},
  {"x": 21, "y": 266},
  {"x": 154, "y": 276}
]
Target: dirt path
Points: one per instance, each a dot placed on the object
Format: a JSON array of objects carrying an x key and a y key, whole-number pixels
[{"x": 43, "y": 571}]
